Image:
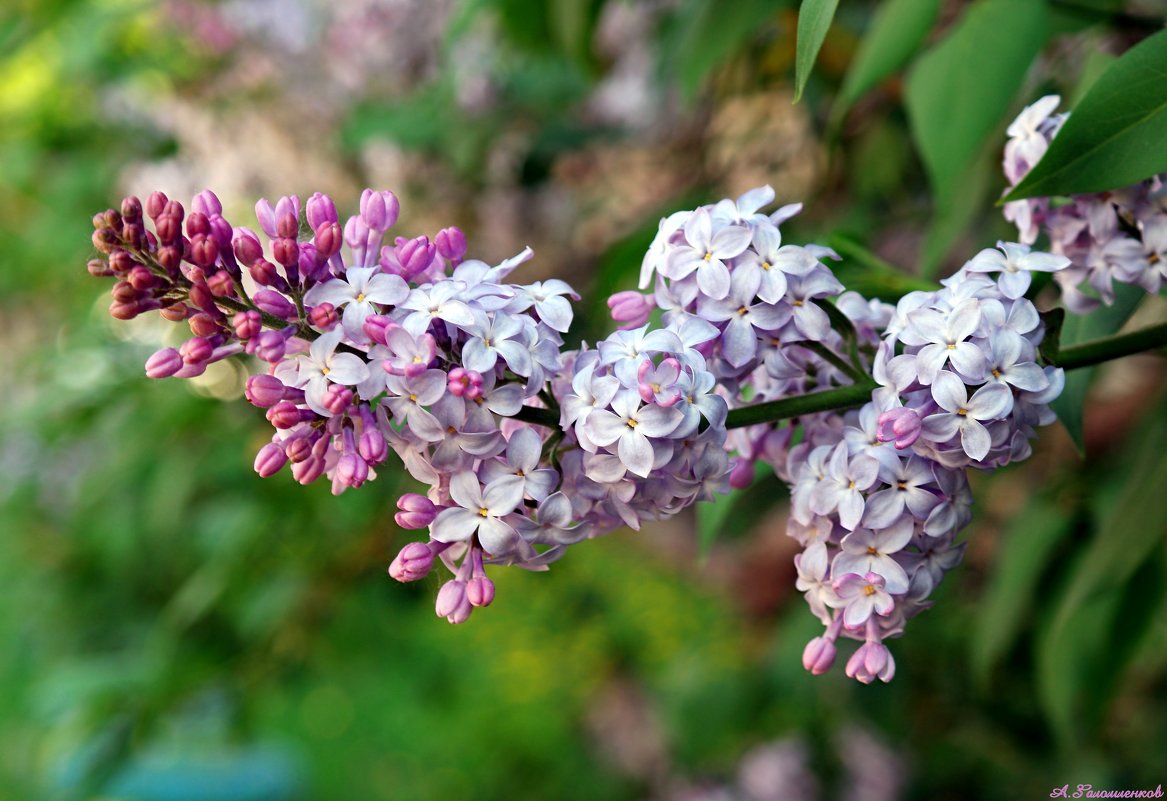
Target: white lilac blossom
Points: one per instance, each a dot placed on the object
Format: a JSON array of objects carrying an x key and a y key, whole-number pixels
[
  {"x": 526, "y": 448},
  {"x": 1105, "y": 237}
]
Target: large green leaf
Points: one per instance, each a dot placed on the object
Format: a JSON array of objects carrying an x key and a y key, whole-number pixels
[
  {"x": 1078, "y": 328},
  {"x": 1114, "y": 137},
  {"x": 897, "y": 30},
  {"x": 1111, "y": 595},
  {"x": 814, "y": 20},
  {"x": 958, "y": 91},
  {"x": 1020, "y": 564}
]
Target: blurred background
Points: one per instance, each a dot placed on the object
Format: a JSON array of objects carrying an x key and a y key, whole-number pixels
[{"x": 173, "y": 627}]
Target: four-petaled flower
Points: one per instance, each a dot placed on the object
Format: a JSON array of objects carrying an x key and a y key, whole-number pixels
[
  {"x": 631, "y": 426},
  {"x": 478, "y": 512},
  {"x": 964, "y": 414}
]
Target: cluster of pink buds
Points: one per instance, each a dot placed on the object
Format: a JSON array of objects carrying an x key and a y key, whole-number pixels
[
  {"x": 1108, "y": 237},
  {"x": 363, "y": 347}
]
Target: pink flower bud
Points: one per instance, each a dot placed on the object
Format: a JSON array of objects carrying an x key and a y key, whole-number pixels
[
  {"x": 328, "y": 239},
  {"x": 901, "y": 425},
  {"x": 196, "y": 350},
  {"x": 321, "y": 210},
  {"x": 247, "y": 324},
  {"x": 464, "y": 383},
  {"x": 452, "y": 603},
  {"x": 246, "y": 246},
  {"x": 819, "y": 655},
  {"x": 221, "y": 284},
  {"x": 270, "y": 460},
  {"x": 285, "y": 415},
  {"x": 413, "y": 562},
  {"x": 379, "y": 210},
  {"x": 309, "y": 470},
  {"x": 376, "y": 327},
  {"x": 155, "y": 204},
  {"x": 631, "y": 309},
  {"x": 480, "y": 591},
  {"x": 164, "y": 363},
  {"x": 372, "y": 446},
  {"x": 197, "y": 225},
  {"x": 203, "y": 325},
  {"x": 872, "y": 661},
  {"x": 264, "y": 391},
  {"x": 286, "y": 251},
  {"x": 352, "y": 470},
  {"x": 141, "y": 279},
  {"x": 271, "y": 346},
  {"x": 206, "y": 202},
  {"x": 298, "y": 448},
  {"x": 416, "y": 511},
  {"x": 264, "y": 273},
  {"x": 323, "y": 316},
  {"x": 274, "y": 303},
  {"x": 337, "y": 398},
  {"x": 451, "y": 244}
]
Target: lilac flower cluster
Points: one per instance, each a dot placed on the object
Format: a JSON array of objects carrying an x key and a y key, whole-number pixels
[
  {"x": 526, "y": 448},
  {"x": 1109, "y": 237},
  {"x": 879, "y": 493}
]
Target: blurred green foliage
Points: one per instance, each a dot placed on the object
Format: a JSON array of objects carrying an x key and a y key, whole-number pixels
[{"x": 160, "y": 599}]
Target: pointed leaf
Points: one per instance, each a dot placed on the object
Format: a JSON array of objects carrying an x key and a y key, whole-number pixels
[
  {"x": 814, "y": 20},
  {"x": 1114, "y": 137}
]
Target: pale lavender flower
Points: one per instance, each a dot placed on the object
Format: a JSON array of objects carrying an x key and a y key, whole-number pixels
[
  {"x": 1015, "y": 263},
  {"x": 943, "y": 337},
  {"x": 357, "y": 291},
  {"x": 630, "y": 426},
  {"x": 408, "y": 397},
  {"x": 739, "y": 341},
  {"x": 478, "y": 512},
  {"x": 964, "y": 414},
  {"x": 861, "y": 596},
  {"x": 323, "y": 366},
  {"x": 438, "y": 302},
  {"x": 493, "y": 336},
  {"x": 705, "y": 253},
  {"x": 866, "y": 551},
  {"x": 843, "y": 485},
  {"x": 523, "y": 456}
]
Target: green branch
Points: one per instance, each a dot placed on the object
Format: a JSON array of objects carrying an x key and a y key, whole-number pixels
[
  {"x": 784, "y": 409},
  {"x": 1097, "y": 351}
]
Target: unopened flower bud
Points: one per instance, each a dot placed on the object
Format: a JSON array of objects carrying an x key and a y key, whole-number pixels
[
  {"x": 168, "y": 228},
  {"x": 328, "y": 239},
  {"x": 416, "y": 511},
  {"x": 124, "y": 292},
  {"x": 196, "y": 350},
  {"x": 320, "y": 210},
  {"x": 742, "y": 474},
  {"x": 352, "y": 470},
  {"x": 451, "y": 244},
  {"x": 176, "y": 312},
  {"x": 105, "y": 239},
  {"x": 901, "y": 425},
  {"x": 631, "y": 309},
  {"x": 372, "y": 446},
  {"x": 270, "y": 460},
  {"x": 246, "y": 246},
  {"x": 170, "y": 256},
  {"x": 99, "y": 269},
  {"x": 452, "y": 603},
  {"x": 164, "y": 363},
  {"x": 263, "y": 272},
  {"x": 247, "y": 324},
  {"x": 323, "y": 316},
  {"x": 131, "y": 208},
  {"x": 207, "y": 203},
  {"x": 286, "y": 251},
  {"x": 337, "y": 398},
  {"x": 221, "y": 284},
  {"x": 141, "y": 279},
  {"x": 274, "y": 303},
  {"x": 203, "y": 325},
  {"x": 271, "y": 346},
  {"x": 872, "y": 661},
  {"x": 155, "y": 204},
  {"x": 376, "y": 326},
  {"x": 264, "y": 390},
  {"x": 480, "y": 591},
  {"x": 197, "y": 224},
  {"x": 285, "y": 415},
  {"x": 819, "y": 655},
  {"x": 309, "y": 470},
  {"x": 412, "y": 562},
  {"x": 121, "y": 262},
  {"x": 298, "y": 448}
]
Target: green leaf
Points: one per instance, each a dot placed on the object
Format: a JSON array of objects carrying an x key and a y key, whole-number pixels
[
  {"x": 1114, "y": 137},
  {"x": 740, "y": 510},
  {"x": 898, "y": 29},
  {"x": 955, "y": 214},
  {"x": 1019, "y": 566},
  {"x": 1111, "y": 596},
  {"x": 814, "y": 20},
  {"x": 958, "y": 90},
  {"x": 1076, "y": 329}
]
